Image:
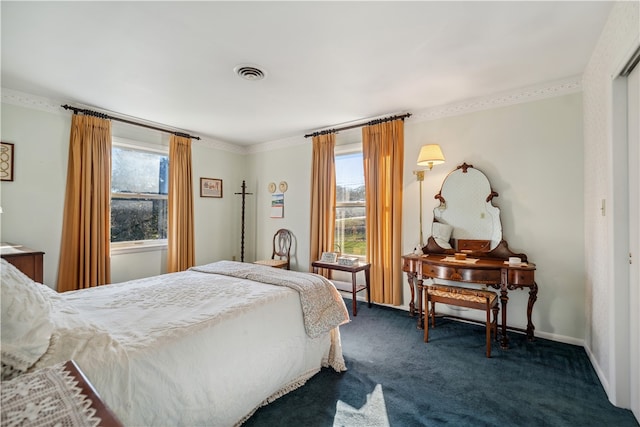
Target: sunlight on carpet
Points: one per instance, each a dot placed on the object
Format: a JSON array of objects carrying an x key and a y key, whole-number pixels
[{"x": 372, "y": 414}]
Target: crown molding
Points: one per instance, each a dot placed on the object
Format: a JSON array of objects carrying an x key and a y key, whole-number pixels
[
  {"x": 204, "y": 141},
  {"x": 532, "y": 93},
  {"x": 21, "y": 99},
  {"x": 277, "y": 144},
  {"x": 538, "y": 92},
  {"x": 221, "y": 145}
]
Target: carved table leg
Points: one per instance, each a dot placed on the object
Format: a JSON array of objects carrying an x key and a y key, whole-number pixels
[
  {"x": 504, "y": 298},
  {"x": 420, "y": 310},
  {"x": 367, "y": 283},
  {"x": 412, "y": 306},
  {"x": 533, "y": 296},
  {"x": 353, "y": 291}
]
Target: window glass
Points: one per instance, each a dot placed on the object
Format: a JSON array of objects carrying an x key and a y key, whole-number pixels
[
  {"x": 350, "y": 205},
  {"x": 139, "y": 195},
  {"x": 136, "y": 171}
]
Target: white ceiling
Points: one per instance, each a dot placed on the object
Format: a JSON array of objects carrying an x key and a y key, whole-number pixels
[{"x": 327, "y": 63}]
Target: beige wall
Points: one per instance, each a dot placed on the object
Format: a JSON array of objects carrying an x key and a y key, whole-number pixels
[
  {"x": 292, "y": 165},
  {"x": 532, "y": 154},
  {"x": 33, "y": 202}
]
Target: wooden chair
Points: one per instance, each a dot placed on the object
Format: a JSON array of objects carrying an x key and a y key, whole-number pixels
[
  {"x": 463, "y": 297},
  {"x": 281, "y": 250}
]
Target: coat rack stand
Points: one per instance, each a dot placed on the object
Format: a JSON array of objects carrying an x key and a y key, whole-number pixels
[{"x": 243, "y": 194}]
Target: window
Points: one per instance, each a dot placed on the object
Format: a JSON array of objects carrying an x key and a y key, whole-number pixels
[
  {"x": 350, "y": 233},
  {"x": 139, "y": 195}
]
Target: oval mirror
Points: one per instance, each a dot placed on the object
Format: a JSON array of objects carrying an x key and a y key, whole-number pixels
[{"x": 466, "y": 219}]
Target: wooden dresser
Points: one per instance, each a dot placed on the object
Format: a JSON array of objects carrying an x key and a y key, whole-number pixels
[{"x": 27, "y": 260}]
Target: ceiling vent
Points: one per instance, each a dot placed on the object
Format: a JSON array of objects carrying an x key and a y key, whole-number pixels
[{"x": 249, "y": 72}]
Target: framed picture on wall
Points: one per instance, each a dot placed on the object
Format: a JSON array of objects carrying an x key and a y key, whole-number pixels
[
  {"x": 6, "y": 161},
  {"x": 210, "y": 187},
  {"x": 277, "y": 205}
]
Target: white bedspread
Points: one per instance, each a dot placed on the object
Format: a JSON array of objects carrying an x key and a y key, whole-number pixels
[
  {"x": 320, "y": 301},
  {"x": 195, "y": 348}
]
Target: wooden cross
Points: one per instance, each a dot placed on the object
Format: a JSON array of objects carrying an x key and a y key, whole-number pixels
[{"x": 244, "y": 194}]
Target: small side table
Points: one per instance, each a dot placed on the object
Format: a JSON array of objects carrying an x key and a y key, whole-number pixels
[
  {"x": 342, "y": 286},
  {"x": 27, "y": 260}
]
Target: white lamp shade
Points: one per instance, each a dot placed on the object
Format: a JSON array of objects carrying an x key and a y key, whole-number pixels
[{"x": 430, "y": 155}]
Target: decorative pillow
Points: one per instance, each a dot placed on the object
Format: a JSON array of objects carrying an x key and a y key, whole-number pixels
[
  {"x": 26, "y": 320},
  {"x": 442, "y": 234}
]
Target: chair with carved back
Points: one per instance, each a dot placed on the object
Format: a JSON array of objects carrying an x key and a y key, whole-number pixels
[{"x": 281, "y": 253}]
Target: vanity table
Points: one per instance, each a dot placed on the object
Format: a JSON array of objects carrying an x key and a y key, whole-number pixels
[
  {"x": 493, "y": 272},
  {"x": 467, "y": 222}
]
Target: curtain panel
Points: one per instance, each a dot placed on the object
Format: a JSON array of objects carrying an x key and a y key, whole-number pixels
[
  {"x": 323, "y": 197},
  {"x": 383, "y": 155},
  {"x": 85, "y": 258},
  {"x": 180, "y": 236}
]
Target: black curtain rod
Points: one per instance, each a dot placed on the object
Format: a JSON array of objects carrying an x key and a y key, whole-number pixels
[
  {"x": 369, "y": 123},
  {"x": 106, "y": 116}
]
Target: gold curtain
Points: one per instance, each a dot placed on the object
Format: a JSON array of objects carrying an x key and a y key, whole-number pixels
[
  {"x": 323, "y": 196},
  {"x": 383, "y": 153},
  {"x": 180, "y": 238},
  {"x": 85, "y": 258}
]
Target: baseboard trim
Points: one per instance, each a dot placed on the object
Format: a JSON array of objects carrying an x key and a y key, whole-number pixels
[
  {"x": 601, "y": 376},
  {"x": 560, "y": 338},
  {"x": 539, "y": 334}
]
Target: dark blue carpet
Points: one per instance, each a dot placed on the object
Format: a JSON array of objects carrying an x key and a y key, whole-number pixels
[{"x": 396, "y": 379}]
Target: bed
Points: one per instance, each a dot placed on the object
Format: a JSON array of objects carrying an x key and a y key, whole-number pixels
[{"x": 207, "y": 346}]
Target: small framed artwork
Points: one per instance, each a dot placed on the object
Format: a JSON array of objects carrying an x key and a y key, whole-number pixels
[
  {"x": 277, "y": 205},
  {"x": 210, "y": 187},
  {"x": 329, "y": 257},
  {"x": 6, "y": 161}
]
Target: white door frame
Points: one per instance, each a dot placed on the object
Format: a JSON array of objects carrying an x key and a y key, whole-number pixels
[
  {"x": 633, "y": 138},
  {"x": 623, "y": 337},
  {"x": 617, "y": 212}
]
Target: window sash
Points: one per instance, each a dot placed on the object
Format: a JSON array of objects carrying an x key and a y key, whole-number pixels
[
  {"x": 140, "y": 196},
  {"x": 144, "y": 244},
  {"x": 350, "y": 204},
  {"x": 350, "y": 239}
]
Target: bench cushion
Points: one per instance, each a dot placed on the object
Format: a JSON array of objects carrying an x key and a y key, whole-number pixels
[{"x": 464, "y": 294}]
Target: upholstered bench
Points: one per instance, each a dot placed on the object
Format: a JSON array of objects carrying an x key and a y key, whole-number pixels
[{"x": 464, "y": 297}]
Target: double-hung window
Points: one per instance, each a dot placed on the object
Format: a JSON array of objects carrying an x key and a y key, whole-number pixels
[
  {"x": 350, "y": 232},
  {"x": 139, "y": 195}
]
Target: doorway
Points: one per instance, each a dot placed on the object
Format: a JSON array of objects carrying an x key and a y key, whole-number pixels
[
  {"x": 625, "y": 333},
  {"x": 633, "y": 138}
]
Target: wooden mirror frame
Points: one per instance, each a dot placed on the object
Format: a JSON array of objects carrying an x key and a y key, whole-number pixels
[{"x": 501, "y": 249}]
